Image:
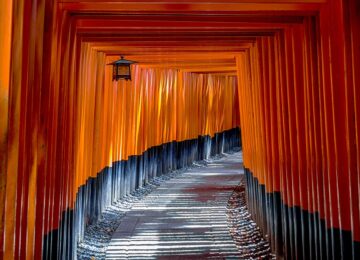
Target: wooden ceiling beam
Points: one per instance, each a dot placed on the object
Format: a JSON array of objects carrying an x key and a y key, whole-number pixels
[
  {"x": 124, "y": 25},
  {"x": 165, "y": 43},
  {"x": 172, "y": 40},
  {"x": 195, "y": 1},
  {"x": 180, "y": 56},
  {"x": 167, "y": 50},
  {"x": 211, "y": 70},
  {"x": 191, "y": 7}
]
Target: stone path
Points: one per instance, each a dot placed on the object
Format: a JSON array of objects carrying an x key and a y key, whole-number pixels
[{"x": 184, "y": 218}]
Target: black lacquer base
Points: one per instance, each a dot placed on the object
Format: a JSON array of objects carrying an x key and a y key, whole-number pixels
[
  {"x": 124, "y": 177},
  {"x": 295, "y": 233}
]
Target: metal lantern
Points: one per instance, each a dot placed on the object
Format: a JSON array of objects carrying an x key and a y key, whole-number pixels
[{"x": 121, "y": 69}]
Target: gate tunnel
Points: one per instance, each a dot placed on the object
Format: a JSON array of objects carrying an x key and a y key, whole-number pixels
[{"x": 72, "y": 141}]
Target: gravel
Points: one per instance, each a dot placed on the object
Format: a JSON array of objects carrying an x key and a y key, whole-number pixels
[{"x": 245, "y": 232}]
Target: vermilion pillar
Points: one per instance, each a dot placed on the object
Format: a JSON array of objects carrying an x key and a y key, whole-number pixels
[
  {"x": 288, "y": 68},
  {"x": 299, "y": 123}
]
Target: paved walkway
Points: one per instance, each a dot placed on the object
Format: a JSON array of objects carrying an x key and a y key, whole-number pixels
[{"x": 185, "y": 218}]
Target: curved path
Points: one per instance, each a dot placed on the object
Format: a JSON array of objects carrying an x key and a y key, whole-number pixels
[{"x": 184, "y": 218}]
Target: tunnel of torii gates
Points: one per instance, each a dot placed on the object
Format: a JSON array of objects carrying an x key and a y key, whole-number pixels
[{"x": 72, "y": 141}]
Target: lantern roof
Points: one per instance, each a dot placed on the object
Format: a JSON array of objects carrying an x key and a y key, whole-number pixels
[{"x": 122, "y": 61}]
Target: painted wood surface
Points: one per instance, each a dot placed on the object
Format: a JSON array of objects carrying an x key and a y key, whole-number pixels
[{"x": 63, "y": 120}]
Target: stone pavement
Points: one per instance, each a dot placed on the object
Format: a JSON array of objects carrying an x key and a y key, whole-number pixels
[{"x": 184, "y": 218}]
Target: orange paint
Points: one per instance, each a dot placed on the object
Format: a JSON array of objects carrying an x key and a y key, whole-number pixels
[
  {"x": 5, "y": 52},
  {"x": 287, "y": 72}
]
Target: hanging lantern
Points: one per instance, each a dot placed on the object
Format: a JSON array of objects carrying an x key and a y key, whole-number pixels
[{"x": 121, "y": 69}]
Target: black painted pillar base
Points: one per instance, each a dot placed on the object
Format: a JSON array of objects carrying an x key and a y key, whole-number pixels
[
  {"x": 295, "y": 233},
  {"x": 123, "y": 178}
]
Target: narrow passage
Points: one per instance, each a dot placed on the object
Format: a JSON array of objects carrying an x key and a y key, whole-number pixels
[{"x": 184, "y": 218}]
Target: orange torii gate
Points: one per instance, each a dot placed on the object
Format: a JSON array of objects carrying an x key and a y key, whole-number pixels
[{"x": 63, "y": 121}]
